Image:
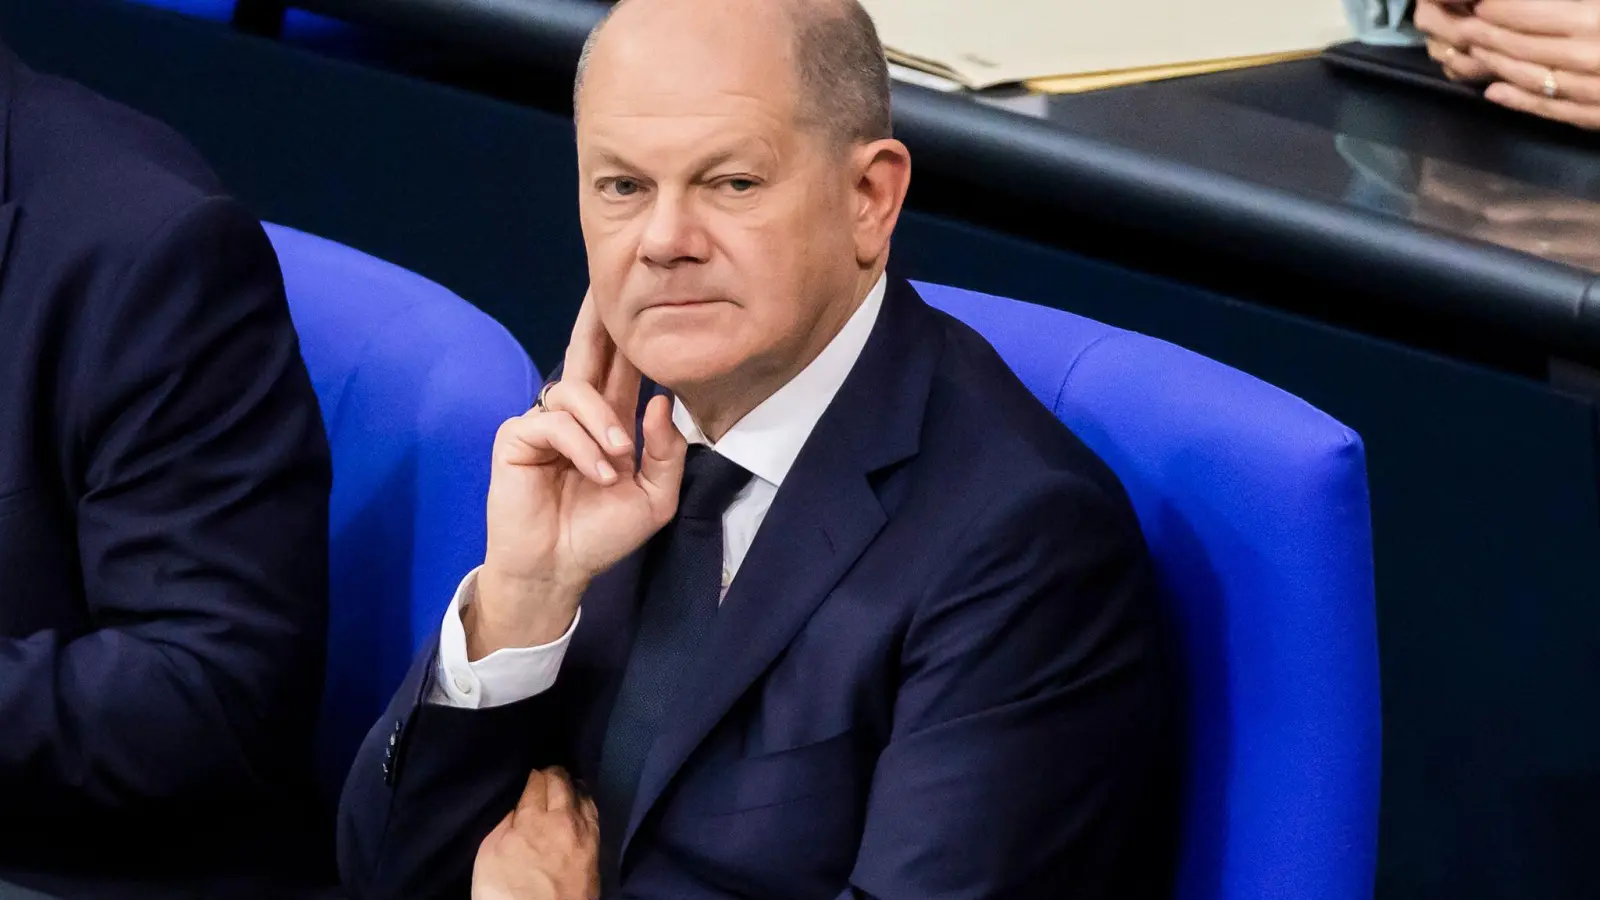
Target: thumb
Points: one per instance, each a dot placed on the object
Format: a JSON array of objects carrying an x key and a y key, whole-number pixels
[{"x": 661, "y": 463}]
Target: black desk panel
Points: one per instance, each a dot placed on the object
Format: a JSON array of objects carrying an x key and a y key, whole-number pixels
[{"x": 1391, "y": 256}]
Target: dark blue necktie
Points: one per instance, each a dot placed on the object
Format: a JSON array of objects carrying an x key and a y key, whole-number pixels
[{"x": 682, "y": 591}]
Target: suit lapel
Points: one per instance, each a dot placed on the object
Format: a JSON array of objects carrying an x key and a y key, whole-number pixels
[{"x": 823, "y": 518}]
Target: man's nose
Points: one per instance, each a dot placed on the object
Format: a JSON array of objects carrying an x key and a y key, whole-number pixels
[{"x": 673, "y": 235}]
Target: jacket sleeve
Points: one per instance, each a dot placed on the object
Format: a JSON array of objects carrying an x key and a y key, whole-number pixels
[{"x": 194, "y": 450}]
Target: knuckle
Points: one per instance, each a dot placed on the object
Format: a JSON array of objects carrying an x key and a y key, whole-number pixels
[{"x": 571, "y": 389}]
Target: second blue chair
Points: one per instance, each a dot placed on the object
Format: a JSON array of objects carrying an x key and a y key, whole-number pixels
[{"x": 1255, "y": 508}]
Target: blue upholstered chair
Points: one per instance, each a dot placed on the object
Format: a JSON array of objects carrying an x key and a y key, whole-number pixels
[
  {"x": 413, "y": 382},
  {"x": 1255, "y": 508}
]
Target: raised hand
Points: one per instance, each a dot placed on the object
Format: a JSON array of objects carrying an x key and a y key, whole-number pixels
[{"x": 566, "y": 500}]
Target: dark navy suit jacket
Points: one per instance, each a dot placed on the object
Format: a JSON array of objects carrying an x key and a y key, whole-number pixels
[
  {"x": 937, "y": 675},
  {"x": 163, "y": 505}
]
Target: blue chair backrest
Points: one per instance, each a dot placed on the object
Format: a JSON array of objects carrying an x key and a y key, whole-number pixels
[
  {"x": 1255, "y": 508},
  {"x": 413, "y": 383}
]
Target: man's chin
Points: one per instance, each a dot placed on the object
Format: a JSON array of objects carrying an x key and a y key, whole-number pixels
[{"x": 681, "y": 368}]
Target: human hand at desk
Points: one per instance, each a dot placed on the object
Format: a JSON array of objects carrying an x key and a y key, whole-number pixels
[
  {"x": 548, "y": 848},
  {"x": 1543, "y": 55},
  {"x": 566, "y": 500}
]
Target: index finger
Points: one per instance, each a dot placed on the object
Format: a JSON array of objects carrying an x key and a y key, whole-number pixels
[
  {"x": 590, "y": 349},
  {"x": 1547, "y": 17}
]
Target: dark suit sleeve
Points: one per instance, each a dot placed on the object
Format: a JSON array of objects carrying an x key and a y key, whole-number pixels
[
  {"x": 431, "y": 781},
  {"x": 1030, "y": 722},
  {"x": 193, "y": 443}
]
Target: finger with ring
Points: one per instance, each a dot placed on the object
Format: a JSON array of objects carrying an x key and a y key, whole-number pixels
[{"x": 541, "y": 404}]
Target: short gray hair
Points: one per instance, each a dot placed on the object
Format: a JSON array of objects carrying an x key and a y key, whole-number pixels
[{"x": 840, "y": 67}]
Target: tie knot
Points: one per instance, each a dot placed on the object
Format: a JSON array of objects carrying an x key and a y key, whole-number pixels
[{"x": 710, "y": 482}]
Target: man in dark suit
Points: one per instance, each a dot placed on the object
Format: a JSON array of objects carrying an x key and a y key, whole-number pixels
[
  {"x": 163, "y": 509},
  {"x": 857, "y": 617}
]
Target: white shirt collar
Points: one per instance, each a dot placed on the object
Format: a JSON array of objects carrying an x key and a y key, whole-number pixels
[{"x": 769, "y": 438}]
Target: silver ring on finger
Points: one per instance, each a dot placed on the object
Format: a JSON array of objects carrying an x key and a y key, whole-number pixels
[
  {"x": 1552, "y": 87},
  {"x": 544, "y": 394}
]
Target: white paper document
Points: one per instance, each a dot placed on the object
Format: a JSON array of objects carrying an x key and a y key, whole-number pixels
[{"x": 981, "y": 43}]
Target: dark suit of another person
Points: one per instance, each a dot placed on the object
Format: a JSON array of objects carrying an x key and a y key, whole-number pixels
[
  {"x": 164, "y": 485},
  {"x": 936, "y": 674}
]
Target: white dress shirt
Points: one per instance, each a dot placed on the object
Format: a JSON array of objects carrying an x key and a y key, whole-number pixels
[{"x": 765, "y": 442}]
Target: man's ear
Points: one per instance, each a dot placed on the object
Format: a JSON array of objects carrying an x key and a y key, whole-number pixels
[{"x": 883, "y": 176}]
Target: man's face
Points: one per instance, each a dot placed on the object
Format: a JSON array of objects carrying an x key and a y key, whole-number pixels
[{"x": 719, "y": 229}]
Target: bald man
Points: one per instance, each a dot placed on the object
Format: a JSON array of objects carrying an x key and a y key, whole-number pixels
[{"x": 795, "y": 577}]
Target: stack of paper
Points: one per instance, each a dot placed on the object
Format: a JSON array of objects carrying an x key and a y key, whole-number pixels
[{"x": 1070, "y": 45}]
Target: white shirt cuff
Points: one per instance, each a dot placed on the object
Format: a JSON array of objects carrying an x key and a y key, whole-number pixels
[{"x": 499, "y": 679}]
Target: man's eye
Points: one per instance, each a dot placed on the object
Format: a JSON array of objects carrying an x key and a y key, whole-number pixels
[
  {"x": 740, "y": 185},
  {"x": 623, "y": 187}
]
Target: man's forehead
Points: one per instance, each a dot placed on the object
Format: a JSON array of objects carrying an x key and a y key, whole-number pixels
[{"x": 709, "y": 102}]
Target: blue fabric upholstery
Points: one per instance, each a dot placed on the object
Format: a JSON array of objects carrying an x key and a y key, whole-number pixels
[
  {"x": 1255, "y": 508},
  {"x": 413, "y": 382}
]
